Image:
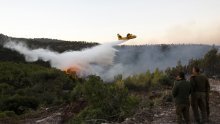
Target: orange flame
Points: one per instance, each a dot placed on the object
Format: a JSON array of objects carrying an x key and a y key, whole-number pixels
[{"x": 72, "y": 70}]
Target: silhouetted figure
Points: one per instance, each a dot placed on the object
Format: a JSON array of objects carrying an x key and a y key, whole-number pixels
[
  {"x": 200, "y": 95},
  {"x": 181, "y": 92}
]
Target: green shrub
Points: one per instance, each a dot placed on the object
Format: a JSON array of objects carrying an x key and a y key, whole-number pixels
[
  {"x": 19, "y": 104},
  {"x": 10, "y": 113},
  {"x": 49, "y": 86},
  {"x": 165, "y": 80},
  {"x": 139, "y": 82},
  {"x": 2, "y": 115},
  {"x": 105, "y": 101}
]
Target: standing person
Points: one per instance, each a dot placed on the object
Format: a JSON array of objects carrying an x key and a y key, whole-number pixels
[
  {"x": 181, "y": 92},
  {"x": 200, "y": 95}
]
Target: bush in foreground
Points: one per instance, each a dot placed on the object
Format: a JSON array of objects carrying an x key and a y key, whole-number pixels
[{"x": 106, "y": 102}]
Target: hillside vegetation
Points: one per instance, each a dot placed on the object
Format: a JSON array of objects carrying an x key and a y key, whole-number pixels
[{"x": 27, "y": 89}]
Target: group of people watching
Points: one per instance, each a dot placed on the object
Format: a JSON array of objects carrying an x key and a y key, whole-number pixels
[{"x": 198, "y": 89}]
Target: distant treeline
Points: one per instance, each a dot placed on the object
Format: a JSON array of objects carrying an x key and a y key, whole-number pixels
[
  {"x": 209, "y": 65},
  {"x": 53, "y": 44}
]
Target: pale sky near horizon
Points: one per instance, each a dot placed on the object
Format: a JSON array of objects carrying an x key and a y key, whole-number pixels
[{"x": 153, "y": 21}]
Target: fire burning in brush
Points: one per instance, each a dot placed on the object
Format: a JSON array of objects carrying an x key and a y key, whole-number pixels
[
  {"x": 72, "y": 70},
  {"x": 96, "y": 60}
]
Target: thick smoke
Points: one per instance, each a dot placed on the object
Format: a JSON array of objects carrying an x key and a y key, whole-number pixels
[
  {"x": 133, "y": 60},
  {"x": 109, "y": 60},
  {"x": 102, "y": 55}
]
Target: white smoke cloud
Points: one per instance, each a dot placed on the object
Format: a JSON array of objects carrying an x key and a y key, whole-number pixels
[
  {"x": 134, "y": 60},
  {"x": 108, "y": 60},
  {"x": 85, "y": 60}
]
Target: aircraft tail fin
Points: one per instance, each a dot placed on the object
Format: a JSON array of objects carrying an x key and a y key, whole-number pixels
[{"x": 119, "y": 37}]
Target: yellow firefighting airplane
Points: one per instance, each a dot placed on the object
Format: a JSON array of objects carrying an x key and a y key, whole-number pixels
[{"x": 128, "y": 37}]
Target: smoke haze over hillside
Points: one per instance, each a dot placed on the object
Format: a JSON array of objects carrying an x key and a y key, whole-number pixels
[{"x": 109, "y": 60}]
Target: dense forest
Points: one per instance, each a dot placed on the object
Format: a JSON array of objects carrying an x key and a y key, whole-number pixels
[{"x": 27, "y": 89}]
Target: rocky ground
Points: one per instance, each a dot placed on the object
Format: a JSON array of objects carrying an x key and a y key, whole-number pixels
[{"x": 165, "y": 112}]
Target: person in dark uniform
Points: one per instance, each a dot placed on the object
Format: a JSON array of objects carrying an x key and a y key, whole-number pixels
[
  {"x": 181, "y": 92},
  {"x": 200, "y": 95}
]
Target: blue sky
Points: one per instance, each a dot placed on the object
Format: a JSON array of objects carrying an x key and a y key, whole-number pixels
[{"x": 153, "y": 21}]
